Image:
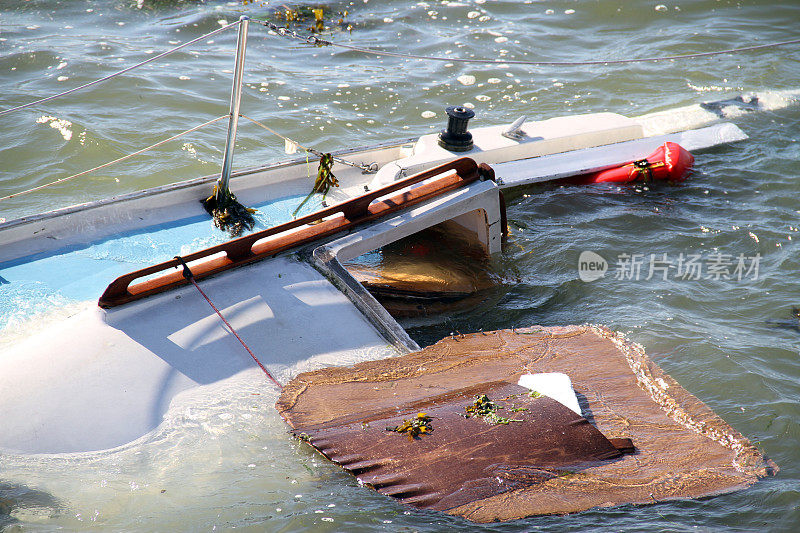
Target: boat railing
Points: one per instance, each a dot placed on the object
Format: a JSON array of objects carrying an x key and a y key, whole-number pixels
[{"x": 319, "y": 225}]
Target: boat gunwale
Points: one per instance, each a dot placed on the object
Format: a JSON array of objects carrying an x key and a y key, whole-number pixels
[
  {"x": 249, "y": 171},
  {"x": 249, "y": 249},
  {"x": 188, "y": 184}
]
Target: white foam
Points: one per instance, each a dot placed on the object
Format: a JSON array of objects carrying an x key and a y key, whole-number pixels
[{"x": 774, "y": 100}]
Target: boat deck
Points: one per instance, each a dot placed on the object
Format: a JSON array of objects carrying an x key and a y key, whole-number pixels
[
  {"x": 101, "y": 378},
  {"x": 116, "y": 380},
  {"x": 79, "y": 272}
]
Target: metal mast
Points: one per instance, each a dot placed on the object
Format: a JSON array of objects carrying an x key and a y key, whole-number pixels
[{"x": 236, "y": 94}]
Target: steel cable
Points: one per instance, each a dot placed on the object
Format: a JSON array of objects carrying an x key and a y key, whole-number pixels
[
  {"x": 109, "y": 163},
  {"x": 312, "y": 39},
  {"x": 366, "y": 169},
  {"x": 123, "y": 71}
]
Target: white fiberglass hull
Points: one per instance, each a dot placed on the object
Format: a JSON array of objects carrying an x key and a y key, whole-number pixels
[{"x": 102, "y": 378}]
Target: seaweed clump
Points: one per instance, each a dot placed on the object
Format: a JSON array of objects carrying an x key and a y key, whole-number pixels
[
  {"x": 302, "y": 15},
  {"x": 485, "y": 408},
  {"x": 228, "y": 214},
  {"x": 324, "y": 182},
  {"x": 414, "y": 427}
]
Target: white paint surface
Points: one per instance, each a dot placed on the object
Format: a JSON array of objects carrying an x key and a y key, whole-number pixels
[
  {"x": 101, "y": 379},
  {"x": 556, "y": 385}
]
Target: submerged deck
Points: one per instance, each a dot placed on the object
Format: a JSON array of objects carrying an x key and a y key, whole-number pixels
[{"x": 102, "y": 378}]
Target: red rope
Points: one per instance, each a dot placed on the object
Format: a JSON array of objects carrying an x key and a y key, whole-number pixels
[{"x": 188, "y": 275}]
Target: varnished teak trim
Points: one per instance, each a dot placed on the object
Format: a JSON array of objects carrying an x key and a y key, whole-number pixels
[{"x": 249, "y": 249}]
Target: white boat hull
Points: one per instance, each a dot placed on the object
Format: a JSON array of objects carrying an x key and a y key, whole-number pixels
[{"x": 103, "y": 378}]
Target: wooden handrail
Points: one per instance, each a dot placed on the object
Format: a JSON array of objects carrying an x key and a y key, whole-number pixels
[{"x": 249, "y": 249}]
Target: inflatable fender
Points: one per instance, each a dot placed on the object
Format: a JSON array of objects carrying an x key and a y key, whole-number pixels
[{"x": 670, "y": 162}]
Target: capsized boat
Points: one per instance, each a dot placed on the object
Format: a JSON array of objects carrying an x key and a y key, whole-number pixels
[
  {"x": 148, "y": 350},
  {"x": 122, "y": 331},
  {"x": 79, "y": 253},
  {"x": 86, "y": 252}
]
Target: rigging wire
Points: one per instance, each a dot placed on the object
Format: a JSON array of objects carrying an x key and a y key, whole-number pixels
[
  {"x": 123, "y": 71},
  {"x": 367, "y": 169},
  {"x": 313, "y": 39},
  {"x": 118, "y": 160}
]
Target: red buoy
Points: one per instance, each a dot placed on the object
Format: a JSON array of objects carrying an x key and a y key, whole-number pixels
[{"x": 670, "y": 162}]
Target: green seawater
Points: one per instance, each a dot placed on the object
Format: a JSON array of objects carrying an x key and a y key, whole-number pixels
[{"x": 226, "y": 461}]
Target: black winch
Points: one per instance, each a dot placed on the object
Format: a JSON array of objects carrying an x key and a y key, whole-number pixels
[{"x": 456, "y": 138}]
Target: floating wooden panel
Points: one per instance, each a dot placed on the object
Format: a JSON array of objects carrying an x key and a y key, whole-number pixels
[{"x": 483, "y": 472}]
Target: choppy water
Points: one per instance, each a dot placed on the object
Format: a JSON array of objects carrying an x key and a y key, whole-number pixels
[{"x": 226, "y": 461}]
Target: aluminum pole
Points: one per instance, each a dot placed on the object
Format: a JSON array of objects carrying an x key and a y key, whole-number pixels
[{"x": 233, "y": 122}]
